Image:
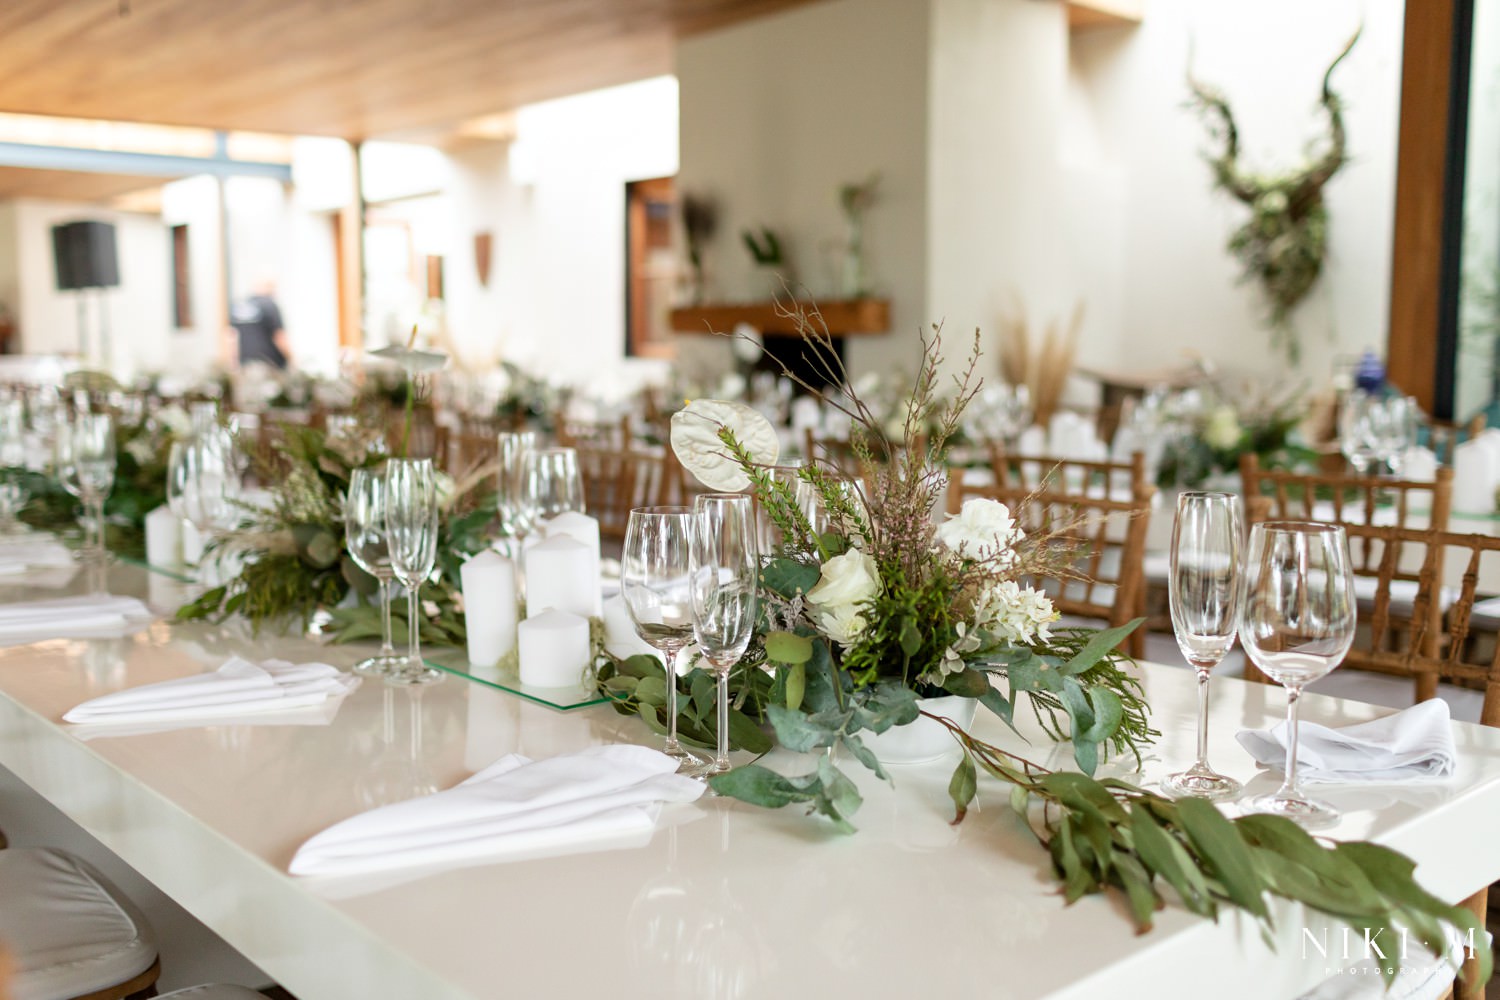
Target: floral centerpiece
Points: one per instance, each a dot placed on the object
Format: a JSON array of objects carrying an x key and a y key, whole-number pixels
[
  {"x": 1212, "y": 439},
  {"x": 881, "y": 606}
]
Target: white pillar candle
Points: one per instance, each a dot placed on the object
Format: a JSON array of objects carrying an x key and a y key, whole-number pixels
[
  {"x": 488, "y": 582},
  {"x": 560, "y": 574},
  {"x": 554, "y": 648},
  {"x": 620, "y": 637},
  {"x": 164, "y": 539},
  {"x": 585, "y": 530}
]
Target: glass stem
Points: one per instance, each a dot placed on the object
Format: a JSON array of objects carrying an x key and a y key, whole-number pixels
[
  {"x": 387, "y": 648},
  {"x": 413, "y": 629},
  {"x": 670, "y": 656},
  {"x": 721, "y": 760},
  {"x": 1203, "y": 676},
  {"x": 1289, "y": 789}
]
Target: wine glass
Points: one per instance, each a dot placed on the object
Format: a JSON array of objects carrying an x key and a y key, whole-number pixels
[
  {"x": 723, "y": 567},
  {"x": 411, "y": 522},
  {"x": 1358, "y": 438},
  {"x": 1297, "y": 622},
  {"x": 552, "y": 484},
  {"x": 655, "y": 584},
  {"x": 203, "y": 480},
  {"x": 366, "y": 538},
  {"x": 1203, "y": 591},
  {"x": 514, "y": 446}
]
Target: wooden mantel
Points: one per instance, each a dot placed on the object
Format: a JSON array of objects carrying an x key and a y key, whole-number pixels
[{"x": 842, "y": 316}]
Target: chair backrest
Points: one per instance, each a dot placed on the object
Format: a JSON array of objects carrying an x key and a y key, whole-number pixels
[
  {"x": 617, "y": 480},
  {"x": 470, "y": 447},
  {"x": 1336, "y": 499},
  {"x": 1120, "y": 480},
  {"x": 1466, "y": 648},
  {"x": 1443, "y": 436},
  {"x": 1105, "y": 540},
  {"x": 592, "y": 434}
]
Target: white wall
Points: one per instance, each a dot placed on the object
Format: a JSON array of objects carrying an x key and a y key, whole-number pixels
[
  {"x": 10, "y": 265},
  {"x": 138, "y": 312},
  {"x": 554, "y": 200},
  {"x": 778, "y": 113},
  {"x": 194, "y": 202},
  {"x": 1180, "y": 286},
  {"x": 1024, "y": 161}
]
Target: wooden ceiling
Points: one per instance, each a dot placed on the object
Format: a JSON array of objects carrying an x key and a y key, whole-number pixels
[
  {"x": 70, "y": 185},
  {"x": 350, "y": 68}
]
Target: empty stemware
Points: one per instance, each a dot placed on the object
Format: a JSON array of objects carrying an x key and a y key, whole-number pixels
[
  {"x": 552, "y": 484},
  {"x": 655, "y": 584},
  {"x": 411, "y": 520},
  {"x": 1203, "y": 590},
  {"x": 1297, "y": 622},
  {"x": 724, "y": 569},
  {"x": 85, "y": 453},
  {"x": 510, "y": 456},
  {"x": 365, "y": 535}
]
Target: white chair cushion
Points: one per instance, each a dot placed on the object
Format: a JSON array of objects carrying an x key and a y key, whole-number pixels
[
  {"x": 69, "y": 930},
  {"x": 213, "y": 991}
]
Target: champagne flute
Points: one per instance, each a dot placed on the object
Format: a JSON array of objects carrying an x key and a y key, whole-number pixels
[
  {"x": 93, "y": 436},
  {"x": 723, "y": 567},
  {"x": 655, "y": 584},
  {"x": 366, "y": 538},
  {"x": 514, "y": 446},
  {"x": 1203, "y": 590},
  {"x": 1297, "y": 622},
  {"x": 411, "y": 516}
]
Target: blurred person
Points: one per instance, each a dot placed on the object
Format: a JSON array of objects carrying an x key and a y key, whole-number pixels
[{"x": 256, "y": 322}]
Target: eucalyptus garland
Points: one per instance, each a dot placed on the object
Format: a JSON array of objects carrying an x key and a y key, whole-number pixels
[{"x": 1284, "y": 242}]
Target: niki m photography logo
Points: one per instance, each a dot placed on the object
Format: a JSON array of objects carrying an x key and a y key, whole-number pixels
[{"x": 1391, "y": 950}]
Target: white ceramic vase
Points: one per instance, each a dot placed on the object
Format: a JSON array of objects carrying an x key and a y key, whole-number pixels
[{"x": 925, "y": 739}]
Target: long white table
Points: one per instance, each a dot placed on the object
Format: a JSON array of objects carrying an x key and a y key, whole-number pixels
[{"x": 726, "y": 901}]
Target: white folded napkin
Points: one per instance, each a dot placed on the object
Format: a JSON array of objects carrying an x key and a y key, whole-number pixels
[
  {"x": 1414, "y": 744},
  {"x": 514, "y": 806},
  {"x": 236, "y": 690},
  {"x": 40, "y": 553},
  {"x": 88, "y": 616}
]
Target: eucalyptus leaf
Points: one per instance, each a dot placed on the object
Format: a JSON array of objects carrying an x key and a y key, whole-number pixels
[
  {"x": 759, "y": 786},
  {"x": 796, "y": 685},
  {"x": 788, "y": 648},
  {"x": 962, "y": 787},
  {"x": 1216, "y": 840},
  {"x": 788, "y": 578}
]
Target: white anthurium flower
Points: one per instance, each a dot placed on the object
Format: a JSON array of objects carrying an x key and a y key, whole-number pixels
[
  {"x": 982, "y": 528},
  {"x": 695, "y": 441},
  {"x": 412, "y": 361},
  {"x": 846, "y": 582}
]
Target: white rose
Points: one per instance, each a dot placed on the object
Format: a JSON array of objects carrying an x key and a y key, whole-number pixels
[
  {"x": 982, "y": 528},
  {"x": 175, "y": 420},
  {"x": 845, "y": 583},
  {"x": 1222, "y": 431},
  {"x": 695, "y": 442}
]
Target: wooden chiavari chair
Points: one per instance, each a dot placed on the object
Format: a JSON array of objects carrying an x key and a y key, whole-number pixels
[
  {"x": 582, "y": 433},
  {"x": 1440, "y": 644},
  {"x": 617, "y": 480},
  {"x": 1360, "y": 501},
  {"x": 1068, "y": 475},
  {"x": 1106, "y": 539}
]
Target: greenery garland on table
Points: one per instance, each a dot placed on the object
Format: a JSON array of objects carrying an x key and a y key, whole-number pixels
[
  {"x": 140, "y": 486},
  {"x": 1283, "y": 243},
  {"x": 933, "y": 611},
  {"x": 293, "y": 556}
]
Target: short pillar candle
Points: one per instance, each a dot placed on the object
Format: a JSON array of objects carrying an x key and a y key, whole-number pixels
[{"x": 554, "y": 649}]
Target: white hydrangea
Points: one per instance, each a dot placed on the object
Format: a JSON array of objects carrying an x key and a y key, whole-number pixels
[
  {"x": 982, "y": 528},
  {"x": 1019, "y": 614}
]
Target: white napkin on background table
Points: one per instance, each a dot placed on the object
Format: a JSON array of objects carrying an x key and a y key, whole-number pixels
[
  {"x": 514, "y": 806},
  {"x": 1414, "y": 744},
  {"x": 237, "y": 689},
  {"x": 88, "y": 616}
]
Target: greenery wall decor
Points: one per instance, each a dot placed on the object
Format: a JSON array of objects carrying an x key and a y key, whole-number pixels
[{"x": 1283, "y": 243}]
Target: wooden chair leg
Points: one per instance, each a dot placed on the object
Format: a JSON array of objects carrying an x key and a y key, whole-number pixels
[
  {"x": 1476, "y": 904},
  {"x": 1427, "y": 686}
]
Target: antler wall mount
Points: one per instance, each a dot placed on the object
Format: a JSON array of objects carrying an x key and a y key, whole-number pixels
[{"x": 1283, "y": 243}]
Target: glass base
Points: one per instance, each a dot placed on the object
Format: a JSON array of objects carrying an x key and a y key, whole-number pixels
[
  {"x": 688, "y": 763},
  {"x": 1201, "y": 783},
  {"x": 379, "y": 666},
  {"x": 1308, "y": 813},
  {"x": 409, "y": 676}
]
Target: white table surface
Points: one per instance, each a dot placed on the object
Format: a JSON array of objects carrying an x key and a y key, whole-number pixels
[{"x": 728, "y": 901}]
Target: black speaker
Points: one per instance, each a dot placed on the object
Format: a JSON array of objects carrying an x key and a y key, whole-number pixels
[{"x": 84, "y": 254}]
